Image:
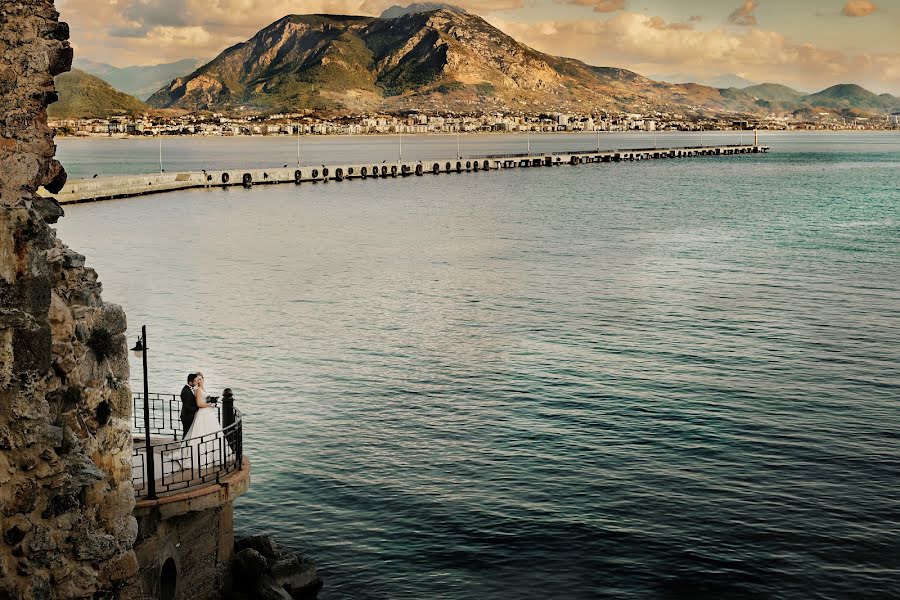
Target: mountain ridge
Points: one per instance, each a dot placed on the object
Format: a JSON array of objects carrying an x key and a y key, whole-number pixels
[
  {"x": 443, "y": 57},
  {"x": 448, "y": 60},
  {"x": 140, "y": 81}
]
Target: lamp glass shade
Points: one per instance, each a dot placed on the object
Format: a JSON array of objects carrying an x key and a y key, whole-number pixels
[{"x": 138, "y": 349}]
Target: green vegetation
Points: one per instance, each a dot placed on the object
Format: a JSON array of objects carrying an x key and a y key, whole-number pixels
[
  {"x": 450, "y": 87},
  {"x": 485, "y": 89},
  {"x": 102, "y": 344},
  {"x": 772, "y": 92},
  {"x": 83, "y": 96}
]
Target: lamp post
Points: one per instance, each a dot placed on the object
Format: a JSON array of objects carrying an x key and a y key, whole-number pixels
[{"x": 140, "y": 350}]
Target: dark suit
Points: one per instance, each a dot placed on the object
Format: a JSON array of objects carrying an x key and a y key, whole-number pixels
[{"x": 188, "y": 408}]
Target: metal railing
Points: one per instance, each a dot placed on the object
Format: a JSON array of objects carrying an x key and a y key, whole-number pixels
[{"x": 180, "y": 464}]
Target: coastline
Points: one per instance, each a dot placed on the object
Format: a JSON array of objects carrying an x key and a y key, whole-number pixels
[{"x": 469, "y": 133}]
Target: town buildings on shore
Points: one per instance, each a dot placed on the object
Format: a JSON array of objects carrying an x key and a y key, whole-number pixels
[{"x": 216, "y": 124}]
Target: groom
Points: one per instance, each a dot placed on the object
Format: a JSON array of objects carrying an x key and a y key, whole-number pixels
[{"x": 188, "y": 404}]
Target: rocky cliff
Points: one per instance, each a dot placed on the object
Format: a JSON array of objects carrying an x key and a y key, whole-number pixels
[{"x": 66, "y": 529}]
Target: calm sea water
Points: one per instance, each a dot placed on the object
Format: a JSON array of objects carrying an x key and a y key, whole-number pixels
[{"x": 665, "y": 379}]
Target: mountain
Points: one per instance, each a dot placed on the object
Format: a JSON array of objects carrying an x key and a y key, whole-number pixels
[
  {"x": 82, "y": 95},
  {"x": 139, "y": 81},
  {"x": 441, "y": 59},
  {"x": 418, "y": 7},
  {"x": 773, "y": 92},
  {"x": 850, "y": 96},
  {"x": 436, "y": 60}
]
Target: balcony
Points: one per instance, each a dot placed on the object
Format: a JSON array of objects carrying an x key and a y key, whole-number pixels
[{"x": 179, "y": 465}]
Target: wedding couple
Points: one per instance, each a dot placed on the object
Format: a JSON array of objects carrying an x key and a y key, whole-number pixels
[{"x": 200, "y": 423}]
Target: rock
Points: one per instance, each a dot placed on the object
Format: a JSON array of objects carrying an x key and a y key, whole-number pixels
[
  {"x": 49, "y": 208},
  {"x": 72, "y": 259},
  {"x": 268, "y": 589},
  {"x": 97, "y": 547},
  {"x": 295, "y": 574},
  {"x": 40, "y": 542},
  {"x": 61, "y": 60},
  {"x": 13, "y": 536},
  {"x": 60, "y": 504},
  {"x": 120, "y": 568},
  {"x": 24, "y": 499},
  {"x": 248, "y": 566},
  {"x": 262, "y": 544},
  {"x": 83, "y": 471},
  {"x": 112, "y": 318}
]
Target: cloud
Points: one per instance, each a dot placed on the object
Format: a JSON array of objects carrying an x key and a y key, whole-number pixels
[
  {"x": 600, "y": 6},
  {"x": 743, "y": 15},
  {"x": 648, "y": 45},
  {"x": 643, "y": 43},
  {"x": 659, "y": 23},
  {"x": 858, "y": 8},
  {"x": 130, "y": 32}
]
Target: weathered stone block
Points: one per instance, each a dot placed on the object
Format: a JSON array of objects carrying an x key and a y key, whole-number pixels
[
  {"x": 112, "y": 318},
  {"x": 120, "y": 568},
  {"x": 249, "y": 565},
  {"x": 24, "y": 498},
  {"x": 61, "y": 60},
  {"x": 260, "y": 543},
  {"x": 32, "y": 349},
  {"x": 97, "y": 547},
  {"x": 294, "y": 573},
  {"x": 60, "y": 504},
  {"x": 268, "y": 589}
]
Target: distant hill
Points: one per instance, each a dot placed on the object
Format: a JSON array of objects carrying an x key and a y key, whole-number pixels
[
  {"x": 773, "y": 92},
  {"x": 82, "y": 95},
  {"x": 726, "y": 80},
  {"x": 851, "y": 96},
  {"x": 139, "y": 81}
]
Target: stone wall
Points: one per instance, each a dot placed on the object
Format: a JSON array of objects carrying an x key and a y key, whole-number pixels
[{"x": 66, "y": 528}]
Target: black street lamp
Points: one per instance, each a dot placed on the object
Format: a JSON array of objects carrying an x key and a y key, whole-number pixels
[{"x": 140, "y": 350}]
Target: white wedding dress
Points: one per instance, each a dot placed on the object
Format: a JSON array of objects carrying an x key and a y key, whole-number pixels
[{"x": 203, "y": 443}]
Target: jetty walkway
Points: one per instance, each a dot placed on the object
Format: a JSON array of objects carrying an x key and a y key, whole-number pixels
[{"x": 121, "y": 186}]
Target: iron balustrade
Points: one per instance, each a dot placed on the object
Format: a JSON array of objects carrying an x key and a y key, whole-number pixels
[{"x": 181, "y": 464}]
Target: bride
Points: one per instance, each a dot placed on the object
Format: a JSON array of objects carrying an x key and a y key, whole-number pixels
[{"x": 203, "y": 441}]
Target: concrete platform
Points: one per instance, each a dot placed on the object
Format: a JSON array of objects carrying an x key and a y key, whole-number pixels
[{"x": 102, "y": 188}]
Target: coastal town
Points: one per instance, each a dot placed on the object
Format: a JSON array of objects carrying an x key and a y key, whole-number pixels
[{"x": 219, "y": 124}]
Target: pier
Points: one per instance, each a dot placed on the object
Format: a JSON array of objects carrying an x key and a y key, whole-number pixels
[{"x": 121, "y": 186}]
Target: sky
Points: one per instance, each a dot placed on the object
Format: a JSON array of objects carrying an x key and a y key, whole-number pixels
[{"x": 806, "y": 44}]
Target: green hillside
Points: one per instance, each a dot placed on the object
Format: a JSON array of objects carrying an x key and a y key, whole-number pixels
[
  {"x": 848, "y": 95},
  {"x": 82, "y": 95},
  {"x": 773, "y": 92}
]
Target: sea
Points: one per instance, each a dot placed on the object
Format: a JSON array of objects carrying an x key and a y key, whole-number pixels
[{"x": 673, "y": 379}]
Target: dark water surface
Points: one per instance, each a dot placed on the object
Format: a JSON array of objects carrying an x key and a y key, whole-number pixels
[{"x": 665, "y": 379}]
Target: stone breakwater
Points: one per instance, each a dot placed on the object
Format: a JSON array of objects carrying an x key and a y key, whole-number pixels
[
  {"x": 102, "y": 188},
  {"x": 66, "y": 498}
]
